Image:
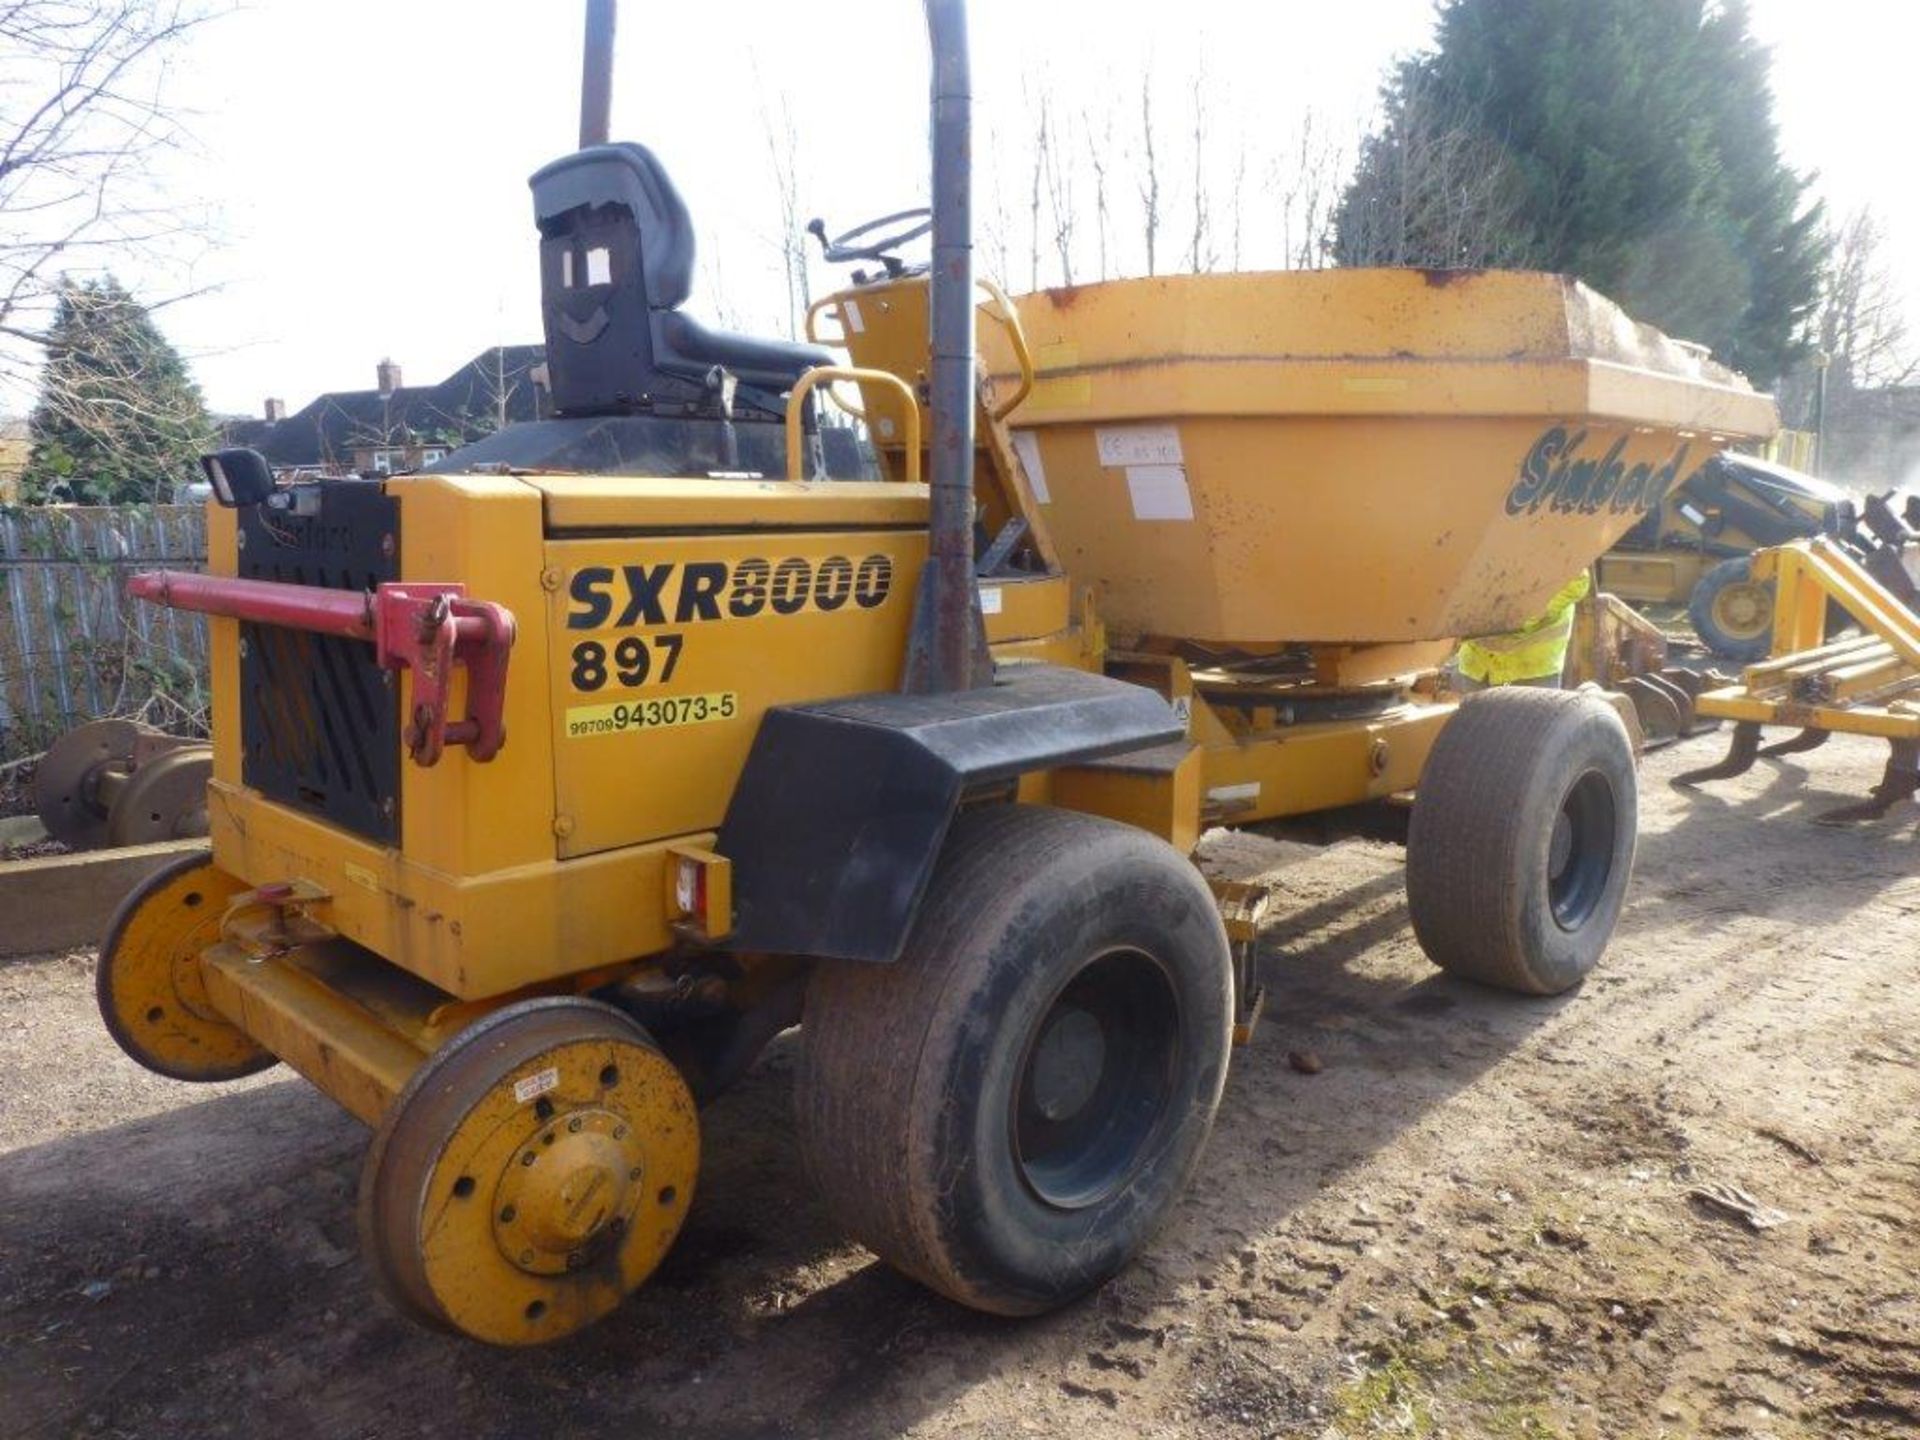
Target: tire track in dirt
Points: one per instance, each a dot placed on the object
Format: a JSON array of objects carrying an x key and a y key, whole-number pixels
[{"x": 1710, "y": 1000}]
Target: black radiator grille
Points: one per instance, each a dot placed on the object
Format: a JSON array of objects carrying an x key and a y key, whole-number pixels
[{"x": 320, "y": 721}]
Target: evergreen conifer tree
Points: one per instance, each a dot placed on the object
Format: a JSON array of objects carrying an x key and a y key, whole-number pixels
[{"x": 119, "y": 418}]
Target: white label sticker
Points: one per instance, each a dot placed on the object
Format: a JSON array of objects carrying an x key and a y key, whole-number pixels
[
  {"x": 535, "y": 1085},
  {"x": 1138, "y": 445},
  {"x": 1692, "y": 514},
  {"x": 1159, "y": 492},
  {"x": 850, "y": 317},
  {"x": 1228, "y": 794},
  {"x": 1027, "y": 446},
  {"x": 989, "y": 599}
]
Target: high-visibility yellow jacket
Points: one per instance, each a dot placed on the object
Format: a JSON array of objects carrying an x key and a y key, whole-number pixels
[{"x": 1538, "y": 648}]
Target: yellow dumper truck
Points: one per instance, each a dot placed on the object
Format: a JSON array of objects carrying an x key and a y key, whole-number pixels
[{"x": 549, "y": 785}]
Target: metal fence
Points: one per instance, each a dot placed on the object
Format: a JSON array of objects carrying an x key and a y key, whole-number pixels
[{"x": 72, "y": 646}]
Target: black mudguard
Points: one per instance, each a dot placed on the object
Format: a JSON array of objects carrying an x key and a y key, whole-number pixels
[{"x": 843, "y": 806}]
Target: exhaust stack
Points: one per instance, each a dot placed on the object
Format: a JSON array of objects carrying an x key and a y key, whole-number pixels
[
  {"x": 950, "y": 538},
  {"x": 596, "y": 75}
]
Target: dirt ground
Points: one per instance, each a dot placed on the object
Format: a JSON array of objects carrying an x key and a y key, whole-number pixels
[{"x": 1474, "y": 1221}]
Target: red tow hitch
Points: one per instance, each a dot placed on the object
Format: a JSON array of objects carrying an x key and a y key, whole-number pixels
[{"x": 422, "y": 628}]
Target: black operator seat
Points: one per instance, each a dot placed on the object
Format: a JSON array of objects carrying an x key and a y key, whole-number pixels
[{"x": 616, "y": 263}]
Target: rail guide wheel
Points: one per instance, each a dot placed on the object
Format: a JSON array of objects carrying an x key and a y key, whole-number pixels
[
  {"x": 533, "y": 1173},
  {"x": 149, "y": 985},
  {"x": 164, "y": 799},
  {"x": 67, "y": 783}
]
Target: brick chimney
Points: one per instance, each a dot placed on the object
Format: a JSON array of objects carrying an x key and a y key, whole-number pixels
[
  {"x": 389, "y": 374},
  {"x": 275, "y": 410}
]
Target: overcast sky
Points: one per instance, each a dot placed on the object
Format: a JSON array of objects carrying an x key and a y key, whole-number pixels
[{"x": 365, "y": 163}]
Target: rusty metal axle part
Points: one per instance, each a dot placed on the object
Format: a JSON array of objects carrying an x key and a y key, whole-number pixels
[{"x": 118, "y": 782}]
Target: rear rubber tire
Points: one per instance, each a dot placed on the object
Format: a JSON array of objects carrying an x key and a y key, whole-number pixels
[
  {"x": 1742, "y": 646},
  {"x": 1507, "y": 773},
  {"x": 990, "y": 1127}
]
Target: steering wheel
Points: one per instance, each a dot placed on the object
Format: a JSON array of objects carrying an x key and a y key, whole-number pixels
[{"x": 854, "y": 244}]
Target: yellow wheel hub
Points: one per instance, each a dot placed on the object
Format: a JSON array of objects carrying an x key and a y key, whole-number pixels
[
  {"x": 149, "y": 985},
  {"x": 569, "y": 1188},
  {"x": 1743, "y": 610},
  {"x": 534, "y": 1172}
]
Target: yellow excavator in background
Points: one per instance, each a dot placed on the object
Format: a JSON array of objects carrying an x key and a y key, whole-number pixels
[{"x": 1696, "y": 550}]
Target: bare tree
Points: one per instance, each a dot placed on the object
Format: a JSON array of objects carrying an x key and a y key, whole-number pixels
[
  {"x": 497, "y": 386},
  {"x": 996, "y": 224},
  {"x": 84, "y": 115},
  {"x": 1099, "y": 153},
  {"x": 1035, "y": 190},
  {"x": 1308, "y": 182},
  {"x": 1429, "y": 192},
  {"x": 715, "y": 297},
  {"x": 1238, "y": 211},
  {"x": 1862, "y": 322},
  {"x": 1199, "y": 252},
  {"x": 783, "y": 155},
  {"x": 1149, "y": 172},
  {"x": 1255, "y": 200},
  {"x": 1054, "y": 159}
]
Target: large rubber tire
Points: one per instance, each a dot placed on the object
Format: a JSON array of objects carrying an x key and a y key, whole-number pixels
[
  {"x": 1522, "y": 837},
  {"x": 1009, "y": 1111},
  {"x": 1732, "y": 613}
]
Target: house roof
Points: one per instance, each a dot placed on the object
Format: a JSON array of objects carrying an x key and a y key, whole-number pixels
[{"x": 463, "y": 406}]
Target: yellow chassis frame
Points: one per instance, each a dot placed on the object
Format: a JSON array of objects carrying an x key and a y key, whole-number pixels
[
  {"x": 1861, "y": 685},
  {"x": 358, "y": 1026}
]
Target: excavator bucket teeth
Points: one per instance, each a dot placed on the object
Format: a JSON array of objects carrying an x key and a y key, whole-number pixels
[
  {"x": 1740, "y": 758},
  {"x": 1901, "y": 782},
  {"x": 1798, "y": 744}
]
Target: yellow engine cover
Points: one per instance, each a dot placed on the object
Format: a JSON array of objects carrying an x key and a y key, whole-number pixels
[{"x": 657, "y": 622}]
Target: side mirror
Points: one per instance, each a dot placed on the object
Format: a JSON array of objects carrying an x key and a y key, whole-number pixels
[{"x": 239, "y": 477}]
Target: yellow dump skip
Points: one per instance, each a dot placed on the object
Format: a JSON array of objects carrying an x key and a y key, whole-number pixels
[{"x": 1353, "y": 455}]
